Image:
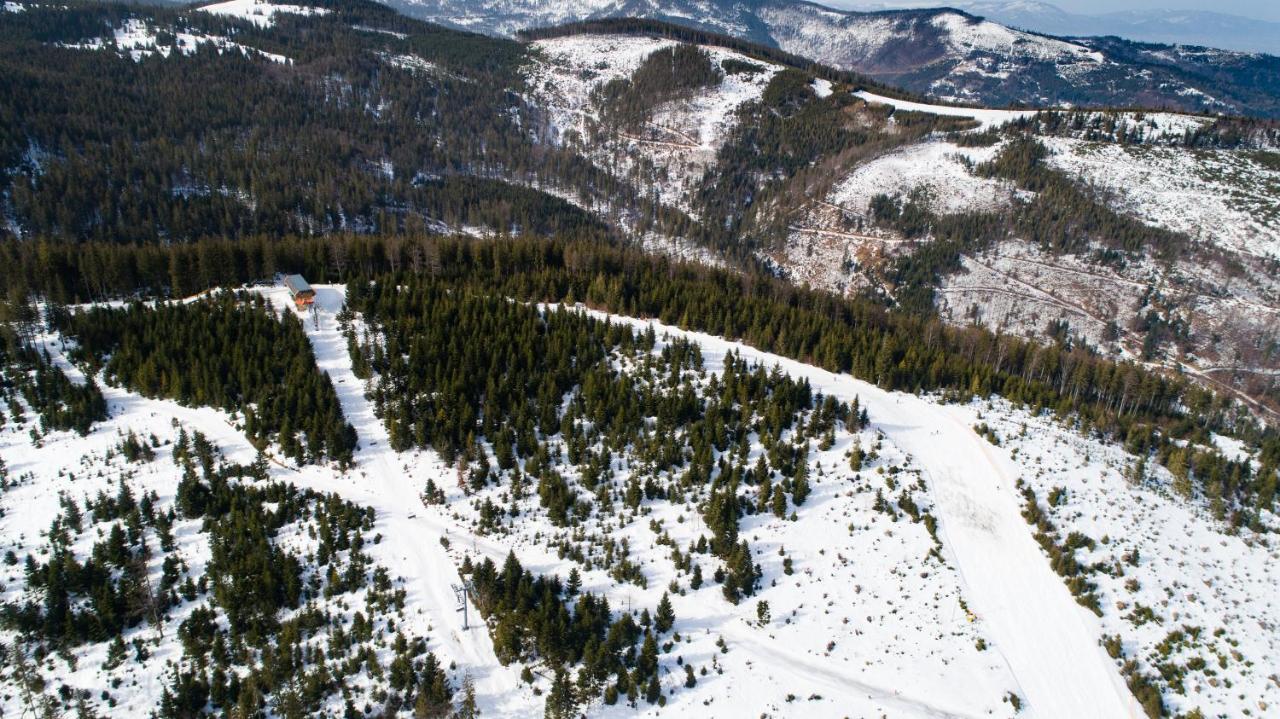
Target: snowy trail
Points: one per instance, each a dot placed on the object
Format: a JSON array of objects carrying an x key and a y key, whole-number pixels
[
  {"x": 1050, "y": 643},
  {"x": 805, "y": 670},
  {"x": 419, "y": 556}
]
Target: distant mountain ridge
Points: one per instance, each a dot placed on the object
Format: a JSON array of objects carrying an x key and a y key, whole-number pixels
[
  {"x": 1175, "y": 27},
  {"x": 942, "y": 52}
]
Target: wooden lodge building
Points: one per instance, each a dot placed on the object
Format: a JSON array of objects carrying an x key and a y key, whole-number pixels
[{"x": 300, "y": 291}]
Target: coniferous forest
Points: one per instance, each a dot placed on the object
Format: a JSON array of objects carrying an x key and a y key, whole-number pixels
[
  {"x": 228, "y": 351},
  {"x": 517, "y": 415},
  {"x": 894, "y": 349},
  {"x": 45, "y": 388}
]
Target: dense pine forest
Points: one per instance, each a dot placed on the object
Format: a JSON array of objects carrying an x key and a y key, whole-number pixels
[
  {"x": 664, "y": 76},
  {"x": 1144, "y": 410},
  {"x": 893, "y": 349},
  {"x": 228, "y": 351},
  {"x": 216, "y": 144}
]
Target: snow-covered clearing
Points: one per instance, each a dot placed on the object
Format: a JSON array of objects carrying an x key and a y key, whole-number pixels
[
  {"x": 411, "y": 548},
  {"x": 63, "y": 462},
  {"x": 967, "y": 34},
  {"x": 682, "y": 136},
  {"x": 938, "y": 169},
  {"x": 1227, "y": 198},
  {"x": 1018, "y": 288},
  {"x": 262, "y": 14},
  {"x": 1050, "y": 643},
  {"x": 1133, "y": 127},
  {"x": 987, "y": 117},
  {"x": 139, "y": 39},
  {"x": 567, "y": 69}
]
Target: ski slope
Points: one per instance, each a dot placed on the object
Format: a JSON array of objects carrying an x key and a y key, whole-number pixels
[
  {"x": 379, "y": 482},
  {"x": 1049, "y": 642},
  {"x": 899, "y": 644}
]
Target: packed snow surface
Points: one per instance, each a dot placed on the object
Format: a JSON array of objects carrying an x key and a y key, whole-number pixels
[
  {"x": 262, "y": 14},
  {"x": 987, "y": 117}
]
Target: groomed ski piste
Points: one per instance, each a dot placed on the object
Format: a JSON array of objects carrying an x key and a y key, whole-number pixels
[{"x": 868, "y": 625}]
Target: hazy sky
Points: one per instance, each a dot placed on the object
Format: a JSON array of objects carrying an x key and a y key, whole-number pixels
[
  {"x": 1260, "y": 9},
  {"x": 1263, "y": 9}
]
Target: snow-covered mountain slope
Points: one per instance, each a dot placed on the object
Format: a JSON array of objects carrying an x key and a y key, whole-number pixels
[
  {"x": 945, "y": 53},
  {"x": 1170, "y": 171},
  {"x": 1228, "y": 199},
  {"x": 1036, "y": 628},
  {"x": 1175, "y": 26},
  {"x": 136, "y": 39},
  {"x": 1170, "y": 600},
  {"x": 1144, "y": 166},
  {"x": 910, "y": 587},
  {"x": 259, "y": 12},
  {"x": 681, "y": 136},
  {"x": 938, "y": 170}
]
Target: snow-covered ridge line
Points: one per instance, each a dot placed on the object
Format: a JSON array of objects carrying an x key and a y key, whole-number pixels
[
  {"x": 987, "y": 117},
  {"x": 138, "y": 40},
  {"x": 262, "y": 14}
]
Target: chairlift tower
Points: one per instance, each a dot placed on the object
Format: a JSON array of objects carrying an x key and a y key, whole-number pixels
[{"x": 464, "y": 592}]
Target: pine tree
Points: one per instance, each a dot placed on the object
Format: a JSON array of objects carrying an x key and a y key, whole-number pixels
[
  {"x": 433, "y": 692},
  {"x": 800, "y": 484},
  {"x": 647, "y": 662},
  {"x": 561, "y": 702},
  {"x": 856, "y": 456},
  {"x": 765, "y": 494},
  {"x": 468, "y": 707},
  {"x": 654, "y": 690},
  {"x": 665, "y": 617}
]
